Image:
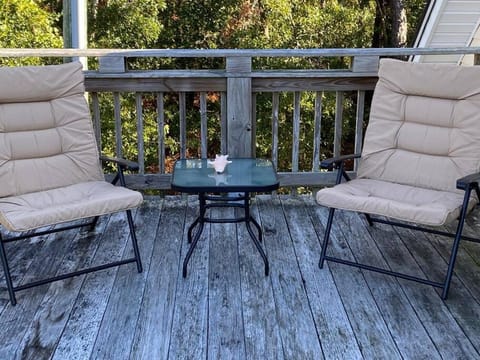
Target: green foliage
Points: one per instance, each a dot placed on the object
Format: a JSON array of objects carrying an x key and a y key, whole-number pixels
[
  {"x": 24, "y": 24},
  {"x": 414, "y": 10},
  {"x": 290, "y": 24},
  {"x": 210, "y": 24},
  {"x": 124, "y": 24}
]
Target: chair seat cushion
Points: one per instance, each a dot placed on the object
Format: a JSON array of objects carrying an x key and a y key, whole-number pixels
[
  {"x": 78, "y": 201},
  {"x": 401, "y": 202}
]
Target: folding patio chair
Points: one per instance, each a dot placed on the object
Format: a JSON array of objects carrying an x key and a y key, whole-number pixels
[
  {"x": 50, "y": 169},
  {"x": 419, "y": 166}
]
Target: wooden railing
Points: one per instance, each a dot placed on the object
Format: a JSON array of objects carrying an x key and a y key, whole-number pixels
[{"x": 238, "y": 86}]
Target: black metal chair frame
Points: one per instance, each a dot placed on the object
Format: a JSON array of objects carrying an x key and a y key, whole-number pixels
[
  {"x": 122, "y": 165},
  {"x": 467, "y": 183}
]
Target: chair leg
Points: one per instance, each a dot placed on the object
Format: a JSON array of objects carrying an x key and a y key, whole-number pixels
[
  {"x": 6, "y": 271},
  {"x": 456, "y": 244},
  {"x": 369, "y": 219},
  {"x": 93, "y": 224},
  {"x": 134, "y": 241},
  {"x": 326, "y": 237}
]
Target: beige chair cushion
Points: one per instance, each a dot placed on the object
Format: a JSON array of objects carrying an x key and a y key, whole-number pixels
[
  {"x": 423, "y": 135},
  {"x": 73, "y": 202},
  {"x": 50, "y": 170},
  {"x": 46, "y": 134},
  {"x": 424, "y": 127},
  {"x": 402, "y": 202}
]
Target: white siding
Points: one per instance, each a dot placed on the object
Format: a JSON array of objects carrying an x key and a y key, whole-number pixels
[{"x": 452, "y": 23}]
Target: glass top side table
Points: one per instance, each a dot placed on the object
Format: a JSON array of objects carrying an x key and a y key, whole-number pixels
[{"x": 243, "y": 175}]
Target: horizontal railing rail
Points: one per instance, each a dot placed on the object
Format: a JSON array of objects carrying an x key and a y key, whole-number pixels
[{"x": 226, "y": 102}]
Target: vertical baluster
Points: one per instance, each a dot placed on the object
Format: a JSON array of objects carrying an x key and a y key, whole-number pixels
[
  {"x": 317, "y": 131},
  {"x": 359, "y": 125},
  {"x": 275, "y": 106},
  {"x": 161, "y": 133},
  {"x": 337, "y": 140},
  {"x": 97, "y": 126},
  {"x": 140, "y": 142},
  {"x": 183, "y": 124},
  {"x": 118, "y": 124},
  {"x": 296, "y": 131},
  {"x": 296, "y": 134},
  {"x": 254, "y": 125},
  {"x": 203, "y": 124},
  {"x": 223, "y": 122}
]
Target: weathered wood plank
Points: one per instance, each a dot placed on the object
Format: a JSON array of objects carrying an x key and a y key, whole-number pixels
[
  {"x": 225, "y": 322},
  {"x": 370, "y": 328},
  {"x": 398, "y": 258},
  {"x": 317, "y": 131},
  {"x": 161, "y": 132},
  {"x": 188, "y": 338},
  {"x": 275, "y": 121},
  {"x": 365, "y": 63},
  {"x": 294, "y": 317},
  {"x": 16, "y": 320},
  {"x": 337, "y": 140},
  {"x": 253, "y": 128},
  {"x": 112, "y": 64},
  {"x": 296, "y": 131},
  {"x": 20, "y": 254},
  {"x": 79, "y": 334},
  {"x": 299, "y": 311},
  {"x": 223, "y": 122},
  {"x": 182, "y": 114},
  {"x": 262, "y": 335},
  {"x": 140, "y": 142},
  {"x": 174, "y": 84},
  {"x": 125, "y": 301},
  {"x": 239, "y": 105},
  {"x": 203, "y": 124},
  {"x": 433, "y": 264},
  {"x": 12, "y": 52},
  {"x": 319, "y": 83},
  {"x": 41, "y": 338},
  {"x": 97, "y": 127},
  {"x": 118, "y": 124},
  {"x": 333, "y": 326},
  {"x": 152, "y": 335},
  {"x": 396, "y": 309}
]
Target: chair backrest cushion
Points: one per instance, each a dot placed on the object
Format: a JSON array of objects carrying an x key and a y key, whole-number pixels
[
  {"x": 424, "y": 127},
  {"x": 46, "y": 134}
]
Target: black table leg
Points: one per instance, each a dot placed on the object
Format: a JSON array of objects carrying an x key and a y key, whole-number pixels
[
  {"x": 190, "y": 229},
  {"x": 256, "y": 241},
  {"x": 259, "y": 229},
  {"x": 201, "y": 221}
]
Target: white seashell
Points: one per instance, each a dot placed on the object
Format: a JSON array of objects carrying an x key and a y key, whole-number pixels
[{"x": 219, "y": 163}]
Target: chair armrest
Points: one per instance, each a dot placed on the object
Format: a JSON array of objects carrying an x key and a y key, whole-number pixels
[
  {"x": 335, "y": 162},
  {"x": 470, "y": 181},
  {"x": 122, "y": 163}
]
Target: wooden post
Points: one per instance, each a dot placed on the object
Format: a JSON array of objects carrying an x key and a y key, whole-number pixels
[
  {"x": 75, "y": 27},
  {"x": 365, "y": 63},
  {"x": 239, "y": 107}
]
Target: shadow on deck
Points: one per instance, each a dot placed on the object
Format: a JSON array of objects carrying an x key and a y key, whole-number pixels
[{"x": 226, "y": 308}]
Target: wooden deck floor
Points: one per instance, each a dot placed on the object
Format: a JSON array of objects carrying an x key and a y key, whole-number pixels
[{"x": 226, "y": 308}]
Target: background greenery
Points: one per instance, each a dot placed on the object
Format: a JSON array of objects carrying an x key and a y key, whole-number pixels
[{"x": 210, "y": 24}]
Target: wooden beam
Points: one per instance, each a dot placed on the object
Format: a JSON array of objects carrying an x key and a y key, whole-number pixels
[{"x": 239, "y": 104}]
